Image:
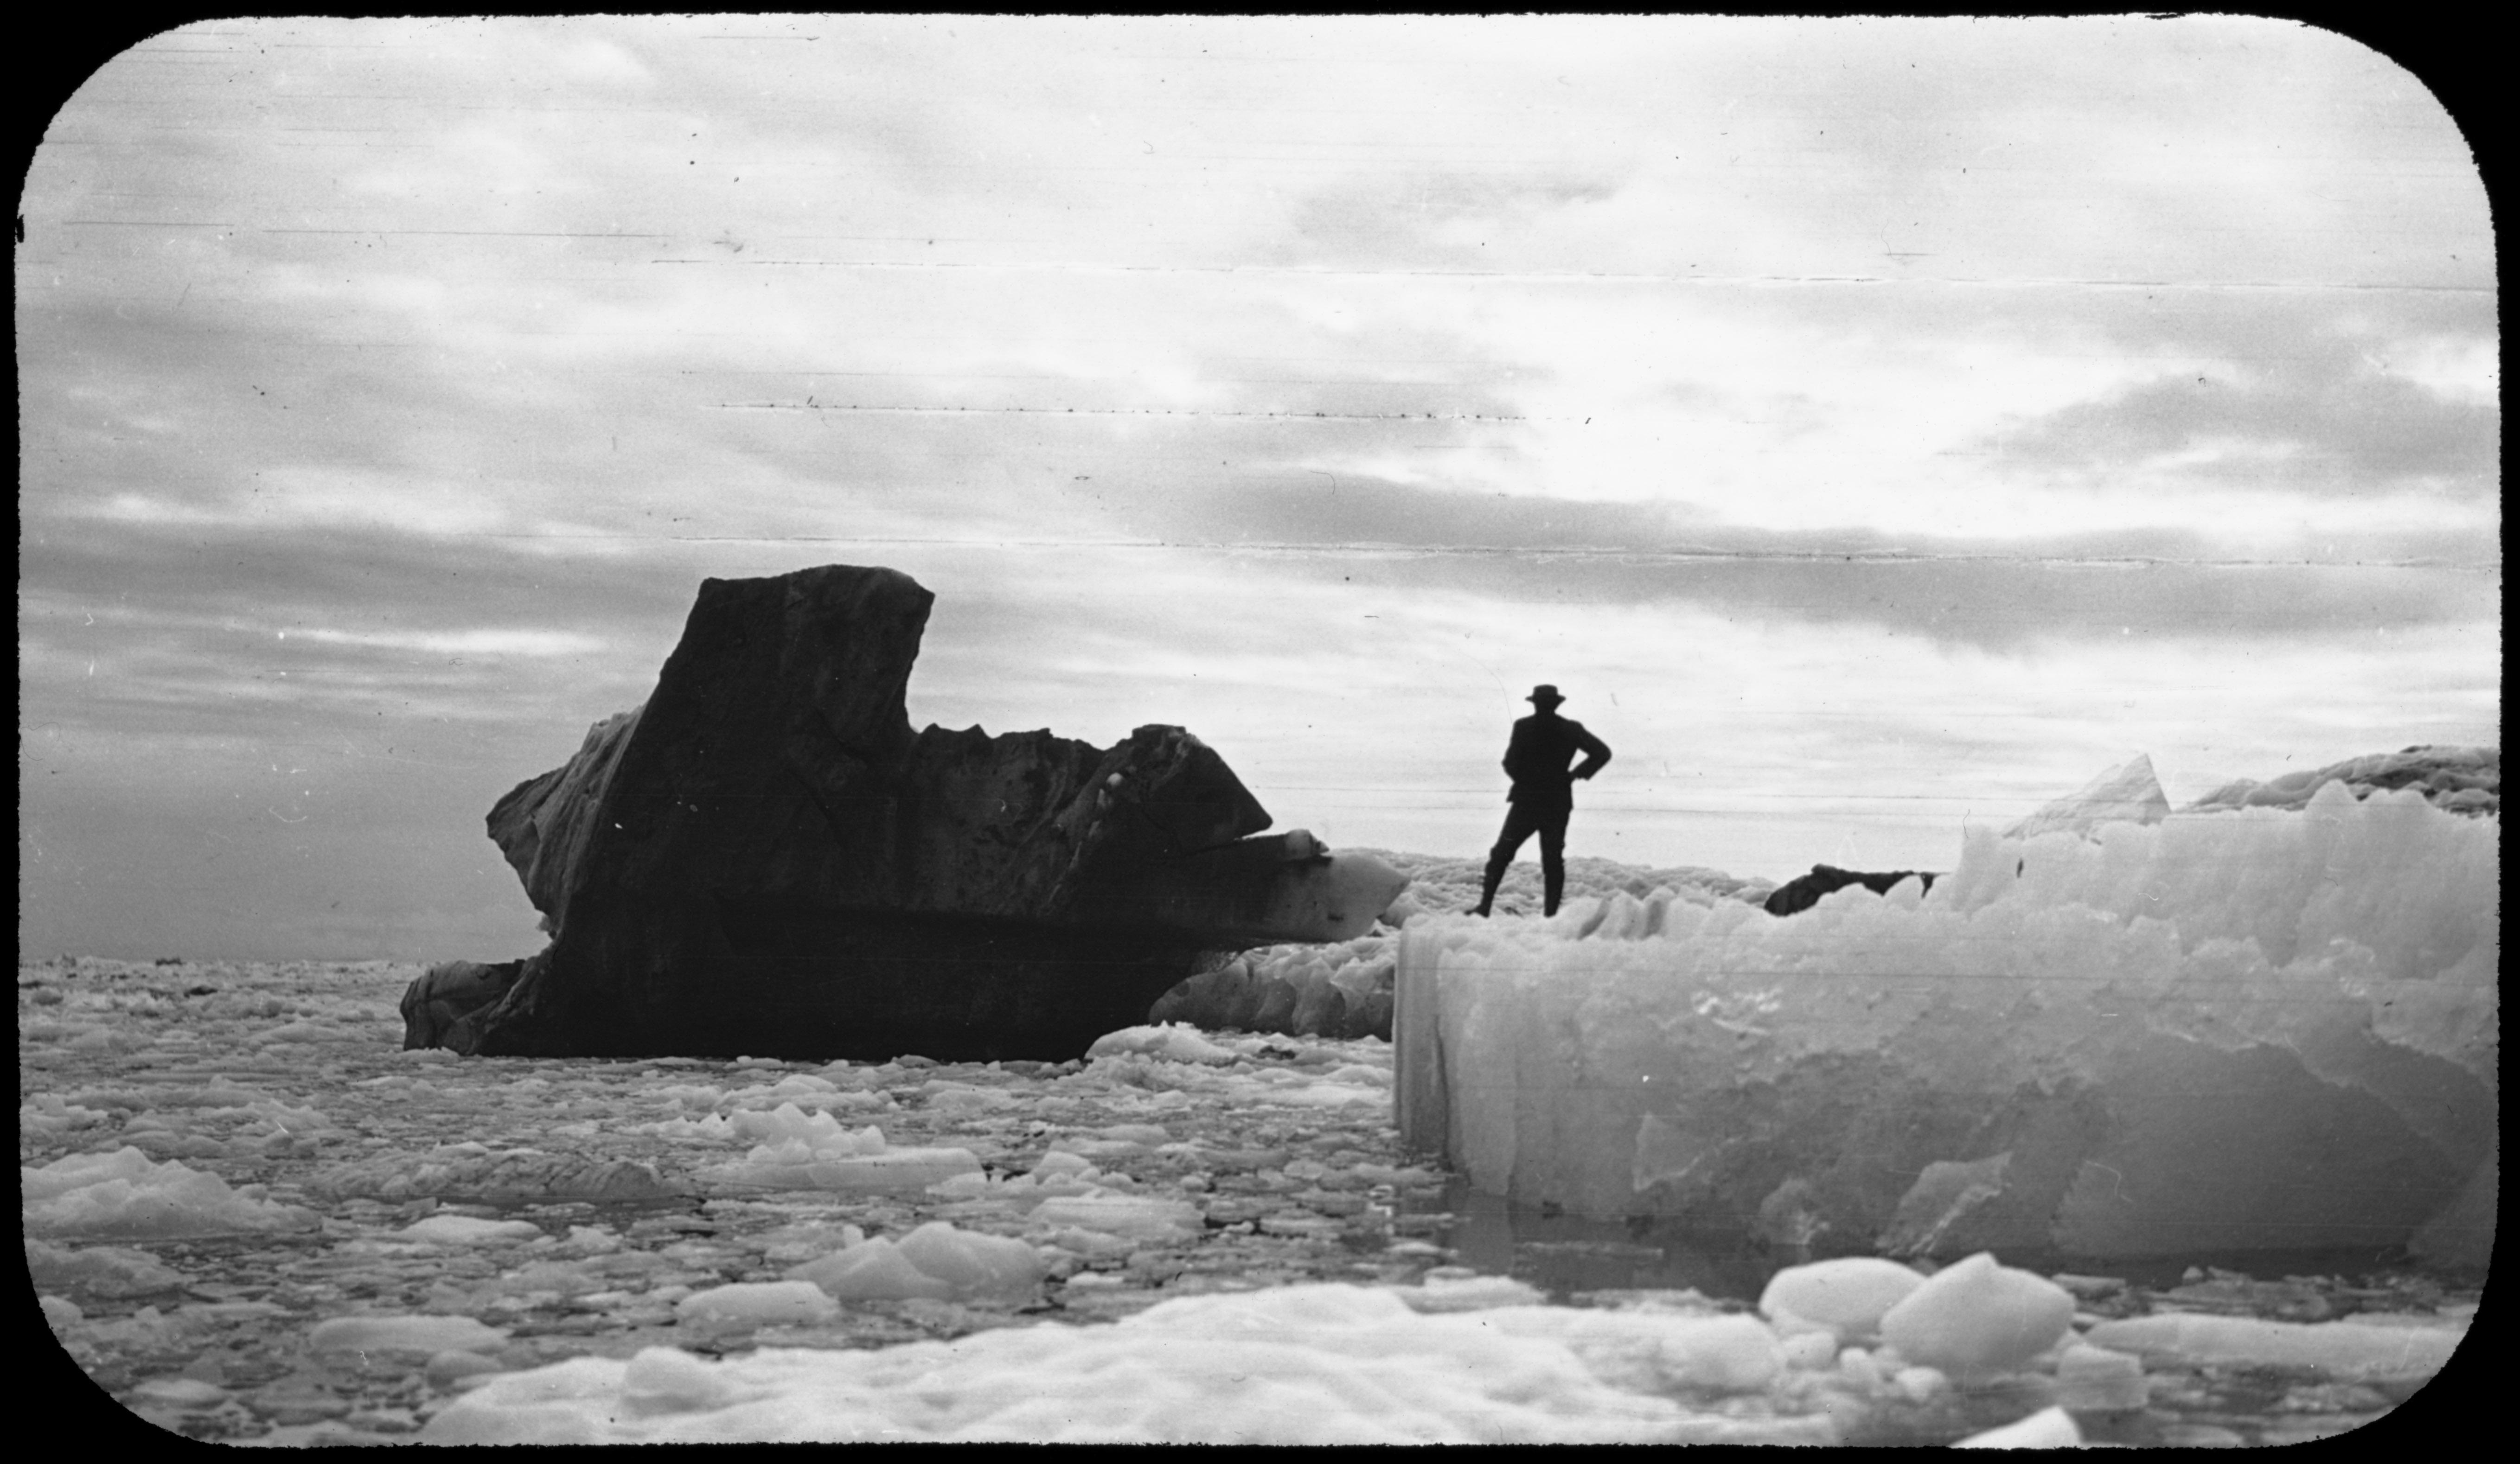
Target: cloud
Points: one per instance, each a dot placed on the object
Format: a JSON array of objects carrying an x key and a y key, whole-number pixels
[
  {"x": 2322, "y": 412},
  {"x": 475, "y": 643},
  {"x": 2028, "y": 592},
  {"x": 1825, "y": 393}
]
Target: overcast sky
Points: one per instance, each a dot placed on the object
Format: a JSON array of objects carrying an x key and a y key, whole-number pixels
[{"x": 1871, "y": 426}]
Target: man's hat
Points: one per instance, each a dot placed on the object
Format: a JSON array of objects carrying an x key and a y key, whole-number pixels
[{"x": 1545, "y": 694}]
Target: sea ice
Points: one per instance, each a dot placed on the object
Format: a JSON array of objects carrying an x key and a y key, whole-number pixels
[
  {"x": 871, "y": 1270},
  {"x": 971, "y": 1262},
  {"x": 2239, "y": 1030},
  {"x": 758, "y": 1304},
  {"x": 796, "y": 1164},
  {"x": 2461, "y": 779},
  {"x": 2128, "y": 794},
  {"x": 819, "y": 1132},
  {"x": 403, "y": 1333},
  {"x": 1344, "y": 988},
  {"x": 935, "y": 1260},
  {"x": 2049, "y": 1428},
  {"x": 1651, "y": 1350},
  {"x": 1848, "y": 1294},
  {"x": 1294, "y": 1364},
  {"x": 49, "y": 1116},
  {"x": 1975, "y": 1318},
  {"x": 1127, "y": 1217},
  {"x": 1469, "y": 1293},
  {"x": 2097, "y": 1380},
  {"x": 1167, "y": 1041},
  {"x": 468, "y": 1230},
  {"x": 799, "y": 1150},
  {"x": 122, "y": 1194},
  {"x": 2347, "y": 1349},
  {"x": 475, "y": 1172},
  {"x": 98, "y": 1271}
]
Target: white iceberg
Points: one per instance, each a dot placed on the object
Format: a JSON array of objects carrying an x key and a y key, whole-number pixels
[
  {"x": 2256, "y": 1029},
  {"x": 2126, "y": 794}
]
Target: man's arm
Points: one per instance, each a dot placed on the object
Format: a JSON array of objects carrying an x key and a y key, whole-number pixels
[
  {"x": 1597, "y": 754},
  {"x": 1514, "y": 752}
]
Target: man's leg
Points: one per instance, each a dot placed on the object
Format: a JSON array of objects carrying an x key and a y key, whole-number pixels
[
  {"x": 1553, "y": 858},
  {"x": 1518, "y": 827}
]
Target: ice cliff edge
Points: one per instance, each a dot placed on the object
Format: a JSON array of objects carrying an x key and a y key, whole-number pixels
[{"x": 2266, "y": 1029}]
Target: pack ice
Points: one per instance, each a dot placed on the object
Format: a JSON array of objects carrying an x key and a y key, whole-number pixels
[{"x": 2253, "y": 1030}]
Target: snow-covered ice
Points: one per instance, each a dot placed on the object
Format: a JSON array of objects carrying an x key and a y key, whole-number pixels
[
  {"x": 1344, "y": 988},
  {"x": 1297, "y": 1364}
]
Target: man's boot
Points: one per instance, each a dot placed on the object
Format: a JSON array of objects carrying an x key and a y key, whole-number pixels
[
  {"x": 1488, "y": 887},
  {"x": 1553, "y": 883}
]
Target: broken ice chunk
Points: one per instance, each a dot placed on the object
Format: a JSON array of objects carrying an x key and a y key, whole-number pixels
[
  {"x": 669, "y": 1379},
  {"x": 2095, "y": 1380},
  {"x": 467, "y": 1229},
  {"x": 758, "y": 1304},
  {"x": 103, "y": 1270},
  {"x": 874, "y": 1271},
  {"x": 1125, "y": 1217},
  {"x": 970, "y": 1263},
  {"x": 123, "y": 1194},
  {"x": 2128, "y": 794},
  {"x": 403, "y": 1333},
  {"x": 1170, "y": 1040},
  {"x": 1470, "y": 1293},
  {"x": 794, "y": 1166},
  {"x": 1974, "y": 1317},
  {"x": 2341, "y": 1348},
  {"x": 1849, "y": 1294},
  {"x": 2049, "y": 1428}
]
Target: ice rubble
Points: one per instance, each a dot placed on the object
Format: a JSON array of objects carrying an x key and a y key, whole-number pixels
[
  {"x": 1457, "y": 1360},
  {"x": 124, "y": 1195},
  {"x": 808, "y": 1156},
  {"x": 1298, "y": 1365},
  {"x": 101, "y": 1270},
  {"x": 2461, "y": 779},
  {"x": 403, "y": 1333},
  {"x": 936, "y": 1261},
  {"x": 474, "y": 1170},
  {"x": 2250, "y": 1030},
  {"x": 1239, "y": 1136},
  {"x": 1343, "y": 988},
  {"x": 2366, "y": 1347}
]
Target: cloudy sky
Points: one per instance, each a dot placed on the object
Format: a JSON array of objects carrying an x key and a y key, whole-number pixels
[{"x": 1875, "y": 426}]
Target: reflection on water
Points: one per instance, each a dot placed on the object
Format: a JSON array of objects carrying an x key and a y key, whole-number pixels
[{"x": 1564, "y": 1254}]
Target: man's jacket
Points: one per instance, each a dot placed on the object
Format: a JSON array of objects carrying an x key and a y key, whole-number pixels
[{"x": 1536, "y": 759}]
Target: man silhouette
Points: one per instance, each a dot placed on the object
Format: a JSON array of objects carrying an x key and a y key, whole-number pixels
[{"x": 1543, "y": 795}]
